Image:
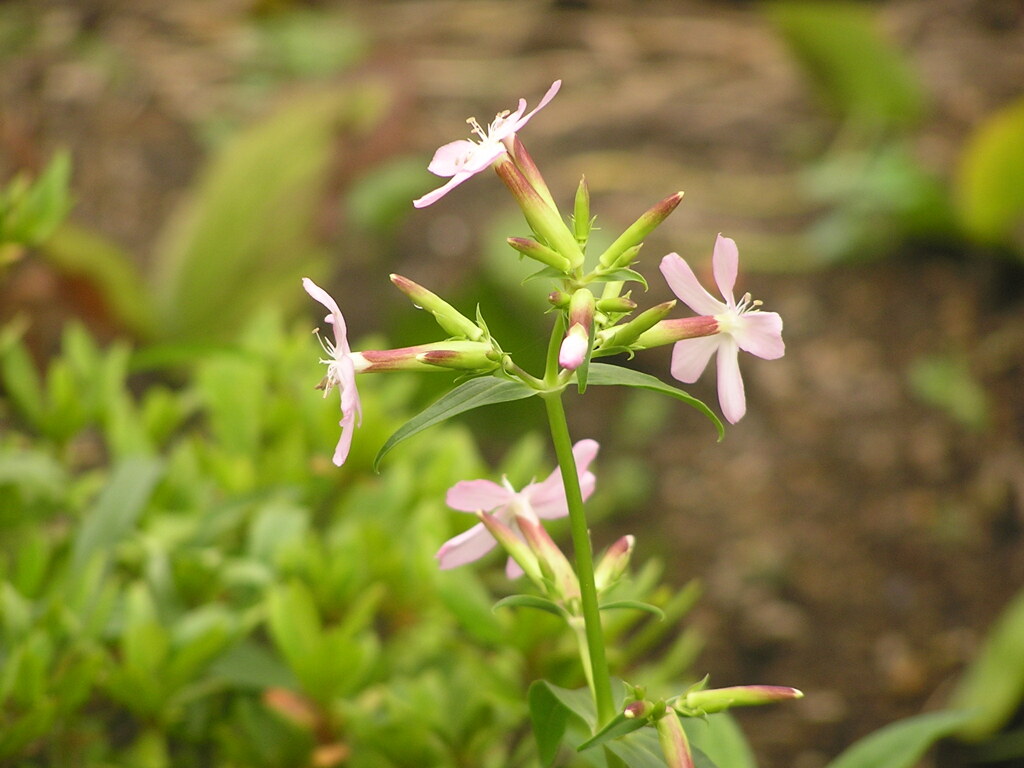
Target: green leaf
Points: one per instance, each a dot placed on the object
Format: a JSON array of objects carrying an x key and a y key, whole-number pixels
[
  {"x": 993, "y": 685},
  {"x": 247, "y": 233},
  {"x": 862, "y": 75},
  {"x": 990, "y": 182},
  {"x": 635, "y": 605},
  {"x": 720, "y": 738},
  {"x": 947, "y": 383},
  {"x": 19, "y": 376},
  {"x": 79, "y": 252},
  {"x": 550, "y": 718},
  {"x": 547, "y": 272},
  {"x": 642, "y": 750},
  {"x": 617, "y": 727},
  {"x": 901, "y": 744},
  {"x": 531, "y": 601},
  {"x": 116, "y": 510},
  {"x": 604, "y": 374},
  {"x": 471, "y": 394},
  {"x": 621, "y": 275}
]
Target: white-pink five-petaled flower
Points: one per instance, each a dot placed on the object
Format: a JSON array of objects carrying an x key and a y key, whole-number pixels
[
  {"x": 544, "y": 500},
  {"x": 461, "y": 159},
  {"x": 341, "y": 372},
  {"x": 741, "y": 325}
]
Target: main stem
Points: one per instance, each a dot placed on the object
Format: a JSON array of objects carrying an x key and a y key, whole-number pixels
[{"x": 599, "y": 676}]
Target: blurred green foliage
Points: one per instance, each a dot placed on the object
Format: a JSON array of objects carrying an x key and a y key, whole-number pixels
[
  {"x": 877, "y": 197},
  {"x": 185, "y": 579}
]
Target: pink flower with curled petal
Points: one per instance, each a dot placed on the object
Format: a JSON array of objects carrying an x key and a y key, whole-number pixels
[
  {"x": 543, "y": 500},
  {"x": 341, "y": 371},
  {"x": 461, "y": 159},
  {"x": 741, "y": 325}
]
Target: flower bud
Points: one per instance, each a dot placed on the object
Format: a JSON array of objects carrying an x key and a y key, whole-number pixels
[
  {"x": 529, "y": 169},
  {"x": 574, "y": 348},
  {"x": 461, "y": 355},
  {"x": 559, "y": 299},
  {"x": 553, "y": 563},
  {"x": 639, "y": 230},
  {"x": 513, "y": 546},
  {"x": 706, "y": 702},
  {"x": 614, "y": 563},
  {"x": 576, "y": 344},
  {"x": 480, "y": 357},
  {"x": 581, "y": 220},
  {"x": 543, "y": 219},
  {"x": 674, "y": 744},
  {"x": 449, "y": 318},
  {"x": 626, "y": 334},
  {"x": 616, "y": 306},
  {"x": 638, "y": 710},
  {"x": 539, "y": 252},
  {"x": 677, "y": 329}
]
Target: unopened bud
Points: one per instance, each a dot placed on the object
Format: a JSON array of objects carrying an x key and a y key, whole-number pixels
[
  {"x": 559, "y": 299},
  {"x": 461, "y": 355},
  {"x": 616, "y": 305},
  {"x": 449, "y": 318},
  {"x": 479, "y": 357},
  {"x": 542, "y": 217},
  {"x": 581, "y": 212},
  {"x": 674, "y": 744},
  {"x": 574, "y": 348},
  {"x": 638, "y": 710},
  {"x": 553, "y": 562},
  {"x": 626, "y": 334},
  {"x": 529, "y": 169},
  {"x": 614, "y": 563},
  {"x": 677, "y": 329},
  {"x": 712, "y": 700},
  {"x": 514, "y": 546},
  {"x": 639, "y": 230},
  {"x": 539, "y": 252},
  {"x": 576, "y": 344}
]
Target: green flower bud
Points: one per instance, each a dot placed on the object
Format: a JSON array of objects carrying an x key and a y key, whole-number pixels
[
  {"x": 706, "y": 702},
  {"x": 449, "y": 318},
  {"x": 628, "y": 333},
  {"x": 639, "y": 230},
  {"x": 543, "y": 219},
  {"x": 581, "y": 220},
  {"x": 539, "y": 252}
]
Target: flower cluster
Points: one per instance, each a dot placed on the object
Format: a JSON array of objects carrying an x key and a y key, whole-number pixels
[{"x": 589, "y": 325}]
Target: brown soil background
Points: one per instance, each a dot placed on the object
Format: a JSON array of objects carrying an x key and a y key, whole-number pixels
[{"x": 854, "y": 542}]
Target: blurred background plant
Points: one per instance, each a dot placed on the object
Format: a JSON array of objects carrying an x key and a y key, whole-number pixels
[{"x": 184, "y": 568}]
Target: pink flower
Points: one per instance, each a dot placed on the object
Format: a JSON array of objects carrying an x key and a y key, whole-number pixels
[
  {"x": 740, "y": 326},
  {"x": 341, "y": 372},
  {"x": 545, "y": 499},
  {"x": 467, "y": 157}
]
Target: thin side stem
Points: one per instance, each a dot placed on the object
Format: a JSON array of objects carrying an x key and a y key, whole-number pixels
[{"x": 599, "y": 676}]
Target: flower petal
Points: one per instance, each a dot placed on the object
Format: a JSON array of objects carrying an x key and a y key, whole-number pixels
[
  {"x": 690, "y": 357},
  {"x": 521, "y": 121},
  {"x": 437, "y": 194},
  {"x": 475, "y": 495},
  {"x": 512, "y": 570},
  {"x": 730, "y": 383},
  {"x": 547, "y": 498},
  {"x": 725, "y": 263},
  {"x": 341, "y": 450},
  {"x": 687, "y": 287},
  {"x": 760, "y": 333},
  {"x": 468, "y": 546}
]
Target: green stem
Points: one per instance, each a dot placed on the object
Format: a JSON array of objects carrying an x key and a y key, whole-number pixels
[{"x": 599, "y": 676}]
